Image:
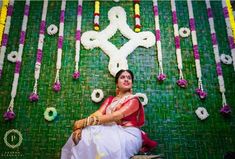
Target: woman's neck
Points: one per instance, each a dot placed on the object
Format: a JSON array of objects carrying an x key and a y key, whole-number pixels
[{"x": 122, "y": 94}]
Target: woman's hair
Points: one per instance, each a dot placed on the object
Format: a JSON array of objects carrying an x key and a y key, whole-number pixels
[{"x": 120, "y": 72}]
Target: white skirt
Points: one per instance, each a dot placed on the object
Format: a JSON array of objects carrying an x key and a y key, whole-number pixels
[{"x": 104, "y": 142}]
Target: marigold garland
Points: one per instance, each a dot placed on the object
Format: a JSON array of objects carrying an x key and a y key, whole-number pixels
[
  {"x": 3, "y": 16},
  {"x": 137, "y": 15},
  {"x": 97, "y": 15}
]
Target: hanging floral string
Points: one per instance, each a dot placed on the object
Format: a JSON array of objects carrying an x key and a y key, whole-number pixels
[
  {"x": 10, "y": 115},
  {"x": 5, "y": 35},
  {"x": 34, "y": 96},
  {"x": 225, "y": 110},
  {"x": 137, "y": 15},
  {"x": 57, "y": 86},
  {"x": 181, "y": 82},
  {"x": 97, "y": 15},
  {"x": 231, "y": 17},
  {"x": 161, "y": 76},
  {"x": 229, "y": 32},
  {"x": 201, "y": 93},
  {"x": 76, "y": 73},
  {"x": 3, "y": 16}
]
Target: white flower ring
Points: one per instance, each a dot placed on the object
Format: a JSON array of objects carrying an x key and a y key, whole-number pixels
[
  {"x": 10, "y": 144},
  {"x": 202, "y": 113},
  {"x": 52, "y": 29},
  {"x": 226, "y": 59},
  {"x": 145, "y": 99},
  {"x": 97, "y": 95},
  {"x": 12, "y": 56},
  {"x": 50, "y": 114},
  {"x": 184, "y": 32}
]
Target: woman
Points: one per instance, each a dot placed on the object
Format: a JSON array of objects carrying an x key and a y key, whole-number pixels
[{"x": 112, "y": 132}]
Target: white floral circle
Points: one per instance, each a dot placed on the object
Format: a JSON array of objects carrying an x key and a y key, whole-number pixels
[
  {"x": 202, "y": 113},
  {"x": 145, "y": 99},
  {"x": 12, "y": 56},
  {"x": 97, "y": 95},
  {"x": 52, "y": 29},
  {"x": 226, "y": 59},
  {"x": 184, "y": 32},
  {"x": 47, "y": 115}
]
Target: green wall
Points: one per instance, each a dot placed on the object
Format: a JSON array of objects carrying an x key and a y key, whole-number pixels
[{"x": 170, "y": 117}]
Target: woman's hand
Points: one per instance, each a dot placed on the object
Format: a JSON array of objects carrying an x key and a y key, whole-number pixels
[
  {"x": 77, "y": 136},
  {"x": 79, "y": 124}
]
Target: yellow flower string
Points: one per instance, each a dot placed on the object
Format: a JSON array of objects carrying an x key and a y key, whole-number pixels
[
  {"x": 137, "y": 15},
  {"x": 97, "y": 15},
  {"x": 3, "y": 17},
  {"x": 231, "y": 17}
]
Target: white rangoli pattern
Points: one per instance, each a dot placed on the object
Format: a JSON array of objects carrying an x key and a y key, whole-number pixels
[{"x": 118, "y": 61}]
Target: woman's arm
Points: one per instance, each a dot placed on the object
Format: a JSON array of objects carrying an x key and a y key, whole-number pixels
[{"x": 130, "y": 107}]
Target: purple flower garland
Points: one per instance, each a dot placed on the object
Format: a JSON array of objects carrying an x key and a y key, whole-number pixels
[
  {"x": 76, "y": 73},
  {"x": 161, "y": 76},
  {"x": 226, "y": 109},
  {"x": 57, "y": 84},
  {"x": 5, "y": 35},
  {"x": 9, "y": 114},
  {"x": 34, "y": 96}
]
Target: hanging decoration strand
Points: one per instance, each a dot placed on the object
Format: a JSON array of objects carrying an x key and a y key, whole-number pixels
[
  {"x": 57, "y": 85},
  {"x": 76, "y": 73},
  {"x": 137, "y": 15},
  {"x": 217, "y": 59},
  {"x": 34, "y": 96},
  {"x": 5, "y": 35},
  {"x": 229, "y": 32},
  {"x": 97, "y": 15},
  {"x": 181, "y": 82},
  {"x": 3, "y": 16},
  {"x": 10, "y": 115},
  {"x": 161, "y": 76},
  {"x": 201, "y": 93}
]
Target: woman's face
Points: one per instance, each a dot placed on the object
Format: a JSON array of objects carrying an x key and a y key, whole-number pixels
[{"x": 124, "y": 81}]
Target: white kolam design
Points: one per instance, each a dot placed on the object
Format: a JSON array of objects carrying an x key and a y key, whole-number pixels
[{"x": 118, "y": 61}]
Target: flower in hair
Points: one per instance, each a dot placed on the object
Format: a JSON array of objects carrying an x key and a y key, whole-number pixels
[{"x": 182, "y": 83}]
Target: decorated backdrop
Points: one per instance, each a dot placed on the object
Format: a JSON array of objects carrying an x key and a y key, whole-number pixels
[{"x": 47, "y": 65}]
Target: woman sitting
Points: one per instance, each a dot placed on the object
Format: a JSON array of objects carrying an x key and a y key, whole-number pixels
[{"x": 113, "y": 131}]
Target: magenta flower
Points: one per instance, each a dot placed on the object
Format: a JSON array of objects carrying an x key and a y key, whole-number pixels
[
  {"x": 76, "y": 75},
  {"x": 225, "y": 110},
  {"x": 33, "y": 97},
  {"x": 182, "y": 83},
  {"x": 9, "y": 115},
  {"x": 161, "y": 77},
  {"x": 57, "y": 87},
  {"x": 201, "y": 93}
]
